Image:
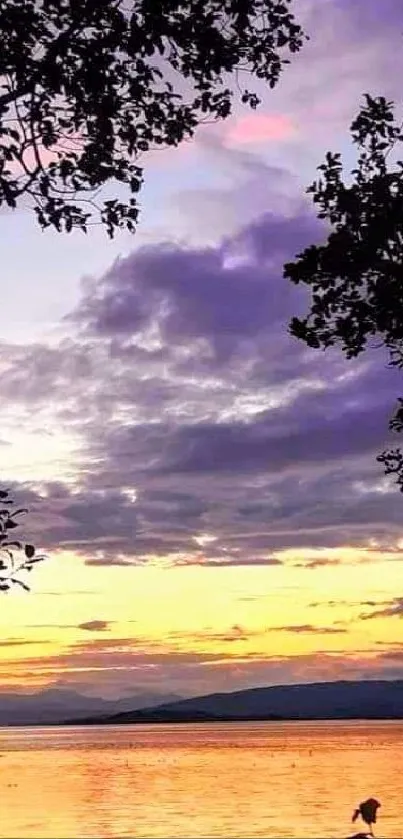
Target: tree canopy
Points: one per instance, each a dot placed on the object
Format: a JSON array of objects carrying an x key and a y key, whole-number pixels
[
  {"x": 88, "y": 86},
  {"x": 356, "y": 277}
]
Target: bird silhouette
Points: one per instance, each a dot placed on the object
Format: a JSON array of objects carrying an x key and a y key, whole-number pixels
[{"x": 367, "y": 810}]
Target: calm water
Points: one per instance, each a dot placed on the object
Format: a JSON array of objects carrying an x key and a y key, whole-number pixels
[{"x": 227, "y": 780}]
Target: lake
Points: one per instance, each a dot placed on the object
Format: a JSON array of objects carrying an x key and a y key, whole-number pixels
[{"x": 207, "y": 780}]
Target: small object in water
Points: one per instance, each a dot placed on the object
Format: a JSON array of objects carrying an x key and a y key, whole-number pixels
[{"x": 367, "y": 810}]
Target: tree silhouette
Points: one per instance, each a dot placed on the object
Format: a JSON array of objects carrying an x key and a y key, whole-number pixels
[
  {"x": 356, "y": 277},
  {"x": 11, "y": 568},
  {"x": 87, "y": 86}
]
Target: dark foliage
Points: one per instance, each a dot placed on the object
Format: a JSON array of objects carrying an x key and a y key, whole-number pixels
[
  {"x": 356, "y": 277},
  {"x": 87, "y": 86},
  {"x": 16, "y": 558}
]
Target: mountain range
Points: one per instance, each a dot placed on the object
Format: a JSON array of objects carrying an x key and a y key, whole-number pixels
[
  {"x": 54, "y": 705},
  {"x": 318, "y": 701}
]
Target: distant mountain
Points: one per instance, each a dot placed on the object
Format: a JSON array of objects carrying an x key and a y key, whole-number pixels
[
  {"x": 319, "y": 701},
  {"x": 57, "y": 704}
]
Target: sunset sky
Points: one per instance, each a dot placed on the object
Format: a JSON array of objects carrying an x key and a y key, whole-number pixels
[{"x": 205, "y": 487}]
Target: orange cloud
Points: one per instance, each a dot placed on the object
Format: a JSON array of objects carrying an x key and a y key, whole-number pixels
[{"x": 259, "y": 128}]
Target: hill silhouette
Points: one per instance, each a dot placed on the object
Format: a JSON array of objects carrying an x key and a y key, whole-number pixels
[
  {"x": 54, "y": 705},
  {"x": 318, "y": 701}
]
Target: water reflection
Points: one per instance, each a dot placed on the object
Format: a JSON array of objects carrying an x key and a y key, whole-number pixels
[{"x": 268, "y": 780}]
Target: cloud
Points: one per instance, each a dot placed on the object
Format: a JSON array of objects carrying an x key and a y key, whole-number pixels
[
  {"x": 94, "y": 626},
  {"x": 309, "y": 629},
  {"x": 193, "y": 411},
  {"x": 224, "y": 557},
  {"x": 260, "y": 127},
  {"x": 20, "y": 642},
  {"x": 321, "y": 94},
  {"x": 244, "y": 185},
  {"x": 340, "y": 603},
  {"x": 390, "y": 609},
  {"x": 320, "y": 562},
  {"x": 112, "y": 666},
  {"x": 241, "y": 633},
  {"x": 233, "y": 634},
  {"x": 179, "y": 295}
]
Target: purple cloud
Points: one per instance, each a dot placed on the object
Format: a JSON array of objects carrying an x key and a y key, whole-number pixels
[
  {"x": 188, "y": 295},
  {"x": 196, "y": 412},
  {"x": 108, "y": 665}
]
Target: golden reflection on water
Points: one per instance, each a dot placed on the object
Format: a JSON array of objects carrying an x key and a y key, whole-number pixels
[{"x": 209, "y": 780}]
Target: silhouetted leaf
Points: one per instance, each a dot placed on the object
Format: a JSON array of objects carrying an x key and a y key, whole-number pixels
[
  {"x": 11, "y": 564},
  {"x": 16, "y": 581}
]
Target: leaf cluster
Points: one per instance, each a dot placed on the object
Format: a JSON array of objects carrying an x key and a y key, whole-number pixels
[{"x": 12, "y": 567}]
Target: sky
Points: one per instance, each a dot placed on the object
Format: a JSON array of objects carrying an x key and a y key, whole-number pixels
[{"x": 205, "y": 488}]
